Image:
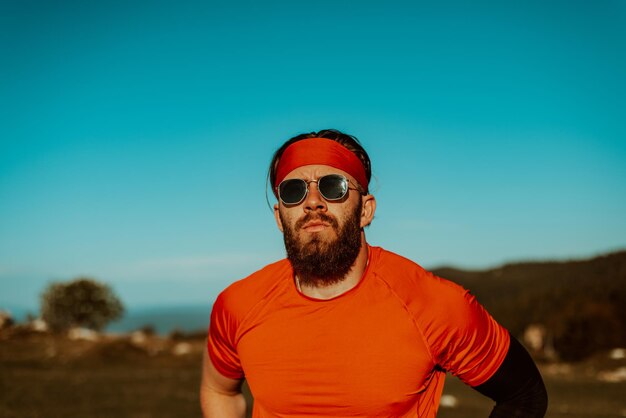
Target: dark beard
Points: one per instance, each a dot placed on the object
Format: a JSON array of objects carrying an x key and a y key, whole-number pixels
[{"x": 318, "y": 262}]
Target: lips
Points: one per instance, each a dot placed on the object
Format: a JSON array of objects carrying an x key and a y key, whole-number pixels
[
  {"x": 315, "y": 226},
  {"x": 313, "y": 221}
]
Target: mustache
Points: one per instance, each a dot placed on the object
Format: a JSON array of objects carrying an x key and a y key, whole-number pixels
[{"x": 314, "y": 216}]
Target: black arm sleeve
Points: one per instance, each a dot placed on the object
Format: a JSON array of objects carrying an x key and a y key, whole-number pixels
[{"x": 516, "y": 386}]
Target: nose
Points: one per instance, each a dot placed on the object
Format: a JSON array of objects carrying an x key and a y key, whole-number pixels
[{"x": 314, "y": 200}]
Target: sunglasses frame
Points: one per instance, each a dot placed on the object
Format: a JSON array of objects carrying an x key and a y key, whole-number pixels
[{"x": 307, "y": 182}]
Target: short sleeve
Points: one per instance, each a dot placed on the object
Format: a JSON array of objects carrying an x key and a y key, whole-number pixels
[
  {"x": 467, "y": 341},
  {"x": 221, "y": 341}
]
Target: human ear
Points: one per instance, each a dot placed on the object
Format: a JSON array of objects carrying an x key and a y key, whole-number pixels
[
  {"x": 368, "y": 208},
  {"x": 279, "y": 222}
]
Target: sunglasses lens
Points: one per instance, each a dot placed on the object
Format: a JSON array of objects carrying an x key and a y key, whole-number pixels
[
  {"x": 333, "y": 186},
  {"x": 292, "y": 191}
]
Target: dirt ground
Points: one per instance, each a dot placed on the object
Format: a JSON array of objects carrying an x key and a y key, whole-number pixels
[{"x": 141, "y": 376}]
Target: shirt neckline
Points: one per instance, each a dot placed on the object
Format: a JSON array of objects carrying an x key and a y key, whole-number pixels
[{"x": 371, "y": 260}]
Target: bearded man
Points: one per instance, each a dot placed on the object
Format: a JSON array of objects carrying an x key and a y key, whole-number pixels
[{"x": 344, "y": 329}]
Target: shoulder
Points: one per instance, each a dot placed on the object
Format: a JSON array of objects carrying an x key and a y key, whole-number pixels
[
  {"x": 409, "y": 279},
  {"x": 434, "y": 303},
  {"x": 242, "y": 295},
  {"x": 461, "y": 335}
]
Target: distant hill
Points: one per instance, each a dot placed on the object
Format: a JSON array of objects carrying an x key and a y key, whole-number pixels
[{"x": 582, "y": 303}]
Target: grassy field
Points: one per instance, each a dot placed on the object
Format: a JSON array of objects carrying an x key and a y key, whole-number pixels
[{"x": 46, "y": 376}]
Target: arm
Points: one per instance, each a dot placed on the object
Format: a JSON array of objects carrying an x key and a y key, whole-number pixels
[
  {"x": 516, "y": 386},
  {"x": 220, "y": 396}
]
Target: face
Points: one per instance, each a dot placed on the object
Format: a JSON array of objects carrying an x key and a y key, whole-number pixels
[{"x": 322, "y": 238}]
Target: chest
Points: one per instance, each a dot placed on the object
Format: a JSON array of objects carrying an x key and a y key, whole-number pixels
[{"x": 353, "y": 357}]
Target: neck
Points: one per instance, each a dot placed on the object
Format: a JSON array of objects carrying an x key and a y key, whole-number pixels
[{"x": 349, "y": 281}]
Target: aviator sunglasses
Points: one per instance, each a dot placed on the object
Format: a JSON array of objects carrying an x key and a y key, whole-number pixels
[{"x": 332, "y": 187}]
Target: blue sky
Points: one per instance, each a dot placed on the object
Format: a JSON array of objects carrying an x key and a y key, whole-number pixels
[{"x": 135, "y": 136}]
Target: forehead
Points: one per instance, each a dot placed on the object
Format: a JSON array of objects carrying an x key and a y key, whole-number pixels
[{"x": 315, "y": 171}]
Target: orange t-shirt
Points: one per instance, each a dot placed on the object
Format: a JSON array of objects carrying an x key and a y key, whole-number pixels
[{"x": 379, "y": 350}]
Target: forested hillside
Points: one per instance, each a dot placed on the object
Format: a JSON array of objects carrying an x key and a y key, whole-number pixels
[{"x": 582, "y": 303}]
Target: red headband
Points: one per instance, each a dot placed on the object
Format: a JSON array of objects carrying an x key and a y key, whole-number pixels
[{"x": 320, "y": 151}]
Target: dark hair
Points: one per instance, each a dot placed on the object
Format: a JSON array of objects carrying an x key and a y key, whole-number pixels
[{"x": 348, "y": 141}]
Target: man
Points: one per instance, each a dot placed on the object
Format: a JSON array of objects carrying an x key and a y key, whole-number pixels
[{"x": 344, "y": 329}]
